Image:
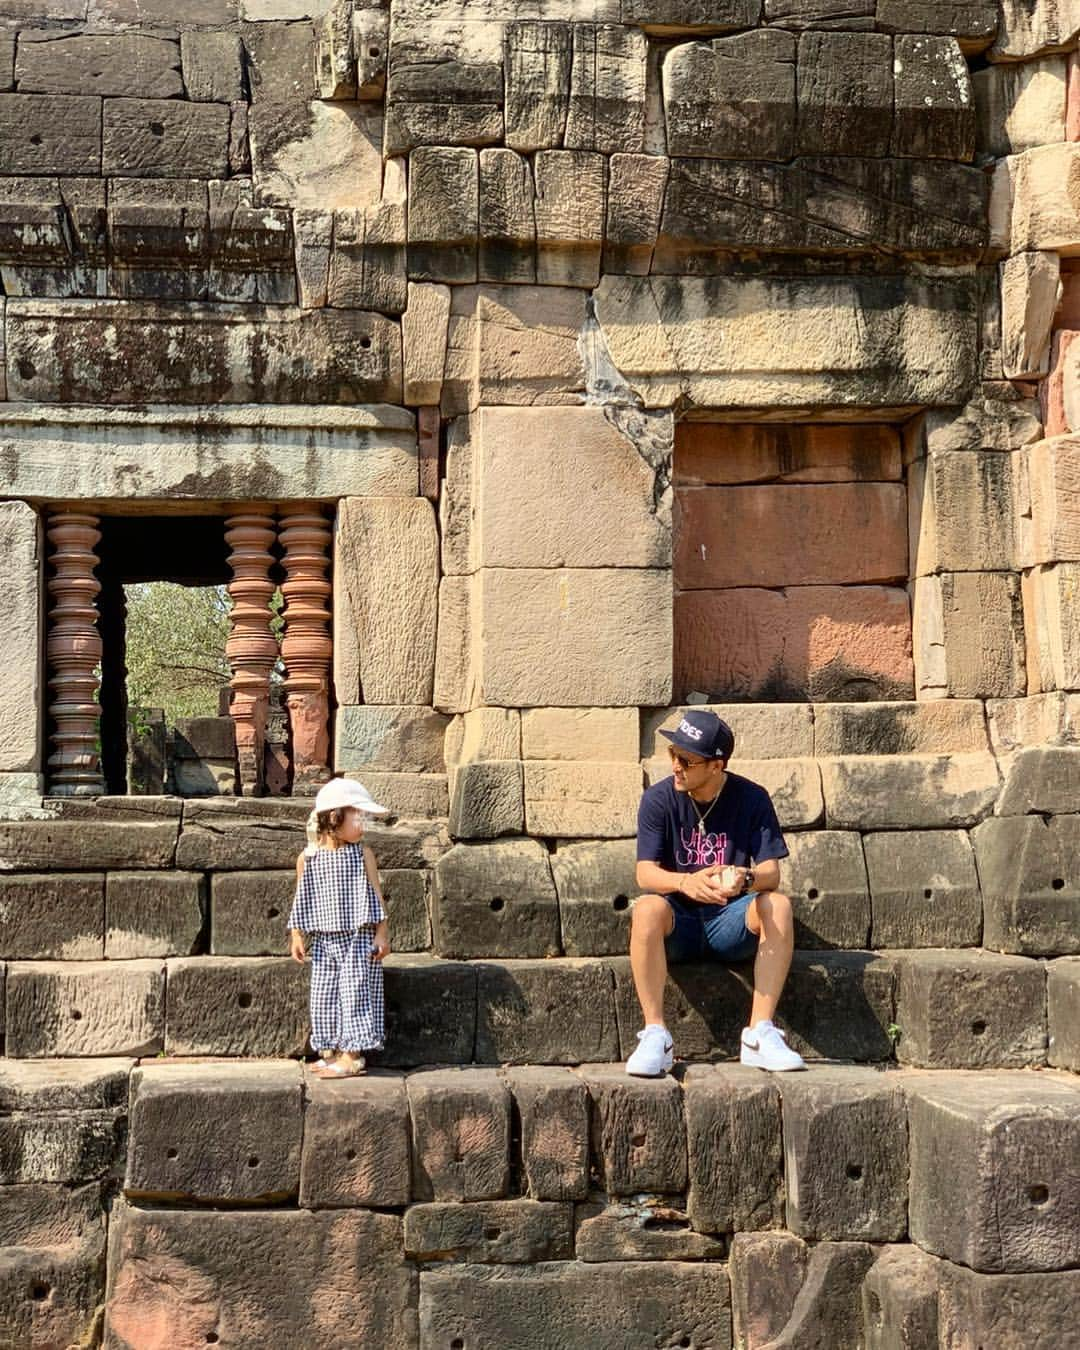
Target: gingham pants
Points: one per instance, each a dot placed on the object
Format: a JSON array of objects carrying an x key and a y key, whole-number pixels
[{"x": 347, "y": 1004}]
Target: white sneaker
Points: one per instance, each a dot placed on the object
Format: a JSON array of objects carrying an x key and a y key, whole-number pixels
[
  {"x": 765, "y": 1047},
  {"x": 654, "y": 1055}
]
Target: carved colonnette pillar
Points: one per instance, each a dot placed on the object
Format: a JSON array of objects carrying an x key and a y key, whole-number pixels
[
  {"x": 306, "y": 647},
  {"x": 73, "y": 652},
  {"x": 251, "y": 648}
]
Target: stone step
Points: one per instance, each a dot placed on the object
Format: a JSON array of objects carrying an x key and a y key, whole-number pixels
[{"x": 932, "y": 1008}]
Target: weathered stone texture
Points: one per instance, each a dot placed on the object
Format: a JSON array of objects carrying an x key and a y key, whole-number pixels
[
  {"x": 1030, "y": 888},
  {"x": 248, "y": 912},
  {"x": 552, "y": 1106},
  {"x": 423, "y": 333},
  {"x": 1005, "y": 1310},
  {"x": 501, "y": 1232},
  {"x": 900, "y": 1299},
  {"x": 596, "y": 885},
  {"x": 569, "y": 209},
  {"x": 638, "y": 1131},
  {"x": 537, "y": 63},
  {"x": 54, "y": 917},
  {"x": 591, "y": 799},
  {"x": 60, "y": 1149},
  {"x": 85, "y": 1008},
  {"x": 825, "y": 876},
  {"x": 1063, "y": 1013},
  {"x": 246, "y": 1006},
  {"x": 152, "y": 914},
  {"x": 356, "y": 1143},
  {"x": 867, "y": 792},
  {"x": 1028, "y": 29},
  {"x": 444, "y": 186},
  {"x": 845, "y": 88},
  {"x": 129, "y": 65},
  {"x": 521, "y": 1013},
  {"x": 495, "y": 900},
  {"x": 47, "y": 133},
  {"x": 432, "y": 1007},
  {"x": 924, "y": 889},
  {"x": 1020, "y": 106},
  {"x": 635, "y": 199},
  {"x": 460, "y": 1135},
  {"x": 935, "y": 106},
  {"x": 213, "y": 66},
  {"x": 487, "y": 799},
  {"x": 1030, "y": 291}
]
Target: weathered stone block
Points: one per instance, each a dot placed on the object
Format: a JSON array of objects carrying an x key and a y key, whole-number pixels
[
  {"x": 443, "y": 214},
  {"x": 499, "y": 1232},
  {"x": 633, "y": 1304},
  {"x": 762, "y": 731},
  {"x": 900, "y": 1299},
  {"x": 924, "y": 890},
  {"x": 825, "y": 877},
  {"x": 367, "y": 263},
  {"x": 213, "y": 66},
  {"x": 553, "y": 1112},
  {"x": 431, "y": 1008},
  {"x": 869, "y": 792},
  {"x": 60, "y": 1147},
  {"x": 580, "y": 734},
  {"x": 1004, "y": 1309},
  {"x": 1043, "y": 779},
  {"x": 128, "y": 65},
  {"x": 153, "y": 913},
  {"x": 992, "y": 1147},
  {"x": 1027, "y": 867},
  {"x": 460, "y": 1134},
  {"x": 569, "y": 208},
  {"x": 969, "y": 635},
  {"x": 445, "y": 80},
  {"x": 1043, "y": 214},
  {"x": 767, "y": 1271},
  {"x": 248, "y": 912},
  {"x": 405, "y": 895},
  {"x": 164, "y": 138},
  {"x": 370, "y": 40},
  {"x": 732, "y": 98},
  {"x": 484, "y": 733},
  {"x": 236, "y": 1005},
  {"x": 46, "y": 916},
  {"x": 705, "y": 1004},
  {"x": 839, "y": 1005},
  {"x": 1025, "y": 31},
  {"x": 63, "y": 1085},
  {"x": 794, "y": 786},
  {"x": 572, "y": 799},
  {"x": 70, "y": 843},
  {"x": 734, "y": 1149},
  {"x": 406, "y": 739},
  {"x": 487, "y": 799},
  {"x": 641, "y": 1229},
  {"x": 972, "y": 494},
  {"x": 970, "y": 1010},
  {"x": 537, "y": 62},
  {"x": 935, "y": 107},
  {"x": 1020, "y": 106},
  {"x": 1053, "y": 648},
  {"x": 386, "y": 569},
  {"x": 48, "y": 1215},
  {"x": 846, "y": 1155},
  {"x": 1053, "y": 535},
  {"x": 1063, "y": 1013},
  {"x": 423, "y": 335},
  {"x": 606, "y": 109},
  {"x": 495, "y": 900},
  {"x": 69, "y": 1270},
  {"x": 47, "y": 133},
  {"x": 635, "y": 201},
  {"x": 241, "y": 835},
  {"x": 972, "y": 19},
  {"x": 953, "y": 725},
  {"x": 507, "y": 248},
  {"x": 85, "y": 1008},
  {"x": 521, "y": 1013},
  {"x": 845, "y": 89},
  {"x": 638, "y": 1131},
  {"x": 992, "y": 420},
  {"x": 724, "y": 453},
  {"x": 20, "y": 708},
  {"x": 356, "y": 1143},
  {"x": 596, "y": 885},
  {"x": 808, "y": 1294},
  {"x": 1030, "y": 290},
  {"x": 283, "y": 1255},
  {"x": 178, "y": 1149}
]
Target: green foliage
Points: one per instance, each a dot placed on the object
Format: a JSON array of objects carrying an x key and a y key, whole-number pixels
[{"x": 176, "y": 647}]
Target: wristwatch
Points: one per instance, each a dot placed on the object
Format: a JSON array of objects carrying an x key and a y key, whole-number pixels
[{"x": 748, "y": 879}]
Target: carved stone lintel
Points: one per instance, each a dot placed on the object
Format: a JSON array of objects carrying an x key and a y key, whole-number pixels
[
  {"x": 73, "y": 652},
  {"x": 251, "y": 648},
  {"x": 306, "y": 646}
]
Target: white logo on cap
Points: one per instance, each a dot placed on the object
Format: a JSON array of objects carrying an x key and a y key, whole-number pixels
[{"x": 695, "y": 733}]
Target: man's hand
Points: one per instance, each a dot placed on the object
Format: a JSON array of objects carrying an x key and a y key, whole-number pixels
[{"x": 704, "y": 887}]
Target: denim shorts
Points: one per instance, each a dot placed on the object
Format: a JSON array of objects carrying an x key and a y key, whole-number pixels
[{"x": 710, "y": 932}]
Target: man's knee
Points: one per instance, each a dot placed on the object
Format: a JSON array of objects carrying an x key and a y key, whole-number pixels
[
  {"x": 651, "y": 916},
  {"x": 773, "y": 907}
]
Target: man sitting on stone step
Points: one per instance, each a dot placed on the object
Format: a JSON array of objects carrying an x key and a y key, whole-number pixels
[{"x": 708, "y": 850}]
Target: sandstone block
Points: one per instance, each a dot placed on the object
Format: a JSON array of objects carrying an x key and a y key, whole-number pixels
[
  {"x": 845, "y": 90},
  {"x": 1030, "y": 289},
  {"x": 580, "y": 734},
  {"x": 805, "y": 642},
  {"x": 721, "y": 453},
  {"x": 368, "y": 261},
  {"x": 193, "y": 141},
  {"x": 405, "y": 894},
  {"x": 244, "y": 834},
  {"x": 248, "y": 912},
  {"x": 128, "y": 65},
  {"x": 1043, "y": 215},
  {"x": 423, "y": 335},
  {"x": 663, "y": 16},
  {"x": 1025, "y": 32},
  {"x": 606, "y": 108},
  {"x": 596, "y": 884},
  {"x": 46, "y": 916},
  {"x": 767, "y": 1272},
  {"x": 153, "y": 914},
  {"x": 569, "y": 207},
  {"x": 900, "y": 1299},
  {"x": 402, "y": 739},
  {"x": 236, "y": 1005},
  {"x": 1063, "y": 1013},
  {"x": 924, "y": 890},
  {"x": 553, "y": 1109},
  {"x": 443, "y": 214},
  {"x": 762, "y": 731},
  {"x": 278, "y": 1257},
  {"x": 20, "y": 708},
  {"x": 870, "y": 792},
  {"x": 825, "y": 1305},
  {"x": 356, "y": 1143},
  {"x": 614, "y": 619},
  {"x": 970, "y": 1010},
  {"x": 255, "y": 1160},
  {"x": 487, "y": 799},
  {"x": 1041, "y": 719},
  {"x": 573, "y": 799},
  {"x": 460, "y": 1134},
  {"x": 537, "y": 62},
  {"x": 48, "y": 134},
  {"x": 733, "y": 97},
  {"x": 48, "y": 1215},
  {"x": 1027, "y": 867},
  {"x": 72, "y": 843},
  {"x": 1003, "y": 1308},
  {"x": 51, "y": 1086},
  {"x": 85, "y": 1008},
  {"x": 1053, "y": 534},
  {"x": 992, "y": 420},
  {"x": 445, "y": 80},
  {"x": 60, "y": 1148},
  {"x": 845, "y": 1156},
  {"x": 386, "y": 567},
  {"x": 495, "y": 900},
  {"x": 734, "y": 1149},
  {"x": 950, "y": 725},
  {"x": 68, "y": 1272},
  {"x": 499, "y": 1232},
  {"x": 934, "y": 103},
  {"x": 976, "y": 489},
  {"x": 972, "y": 19},
  {"x": 213, "y": 66},
  {"x": 839, "y": 1005},
  {"x": 1020, "y": 106},
  {"x": 641, "y": 1229},
  {"x": 521, "y": 1013},
  {"x": 1053, "y": 650},
  {"x": 794, "y": 786},
  {"x": 1042, "y": 779},
  {"x": 634, "y": 1304},
  {"x": 635, "y": 200},
  {"x": 431, "y": 1008},
  {"x": 990, "y": 1140},
  {"x": 825, "y": 877},
  {"x": 507, "y": 248},
  {"x": 238, "y": 353},
  {"x": 484, "y": 733},
  {"x": 638, "y": 1131}
]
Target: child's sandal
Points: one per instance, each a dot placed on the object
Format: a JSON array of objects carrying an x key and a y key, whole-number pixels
[{"x": 356, "y": 1069}]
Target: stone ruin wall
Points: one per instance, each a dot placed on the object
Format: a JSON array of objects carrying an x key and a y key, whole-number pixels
[{"x": 633, "y": 350}]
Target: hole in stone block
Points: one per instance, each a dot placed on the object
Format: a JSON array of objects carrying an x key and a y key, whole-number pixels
[
  {"x": 373, "y": 51},
  {"x": 854, "y": 1172},
  {"x": 350, "y": 1155},
  {"x": 273, "y": 913},
  {"x": 812, "y": 893},
  {"x": 685, "y": 1342},
  {"x": 458, "y": 1343},
  {"x": 40, "y": 1291},
  {"x": 497, "y": 903},
  {"x": 1039, "y": 1195},
  {"x": 978, "y": 1027},
  {"x": 35, "y": 139},
  {"x": 27, "y": 369},
  {"x": 666, "y": 1225},
  {"x": 1058, "y": 883},
  {"x": 253, "y": 1161},
  {"x": 490, "y": 1234},
  {"x": 928, "y": 894},
  {"x": 212, "y": 1338},
  {"x": 872, "y": 1304},
  {"x": 244, "y": 1000},
  {"x": 638, "y": 1140},
  {"x": 172, "y": 1153},
  {"x": 620, "y": 903},
  {"x": 157, "y": 128},
  {"x": 76, "y": 1015},
  {"x": 365, "y": 342}
]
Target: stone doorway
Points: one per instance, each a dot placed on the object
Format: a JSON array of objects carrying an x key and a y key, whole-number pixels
[{"x": 791, "y": 563}]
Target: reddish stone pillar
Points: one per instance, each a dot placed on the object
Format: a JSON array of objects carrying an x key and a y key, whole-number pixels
[
  {"x": 251, "y": 648},
  {"x": 306, "y": 647},
  {"x": 73, "y": 653}
]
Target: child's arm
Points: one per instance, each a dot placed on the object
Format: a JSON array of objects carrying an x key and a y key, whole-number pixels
[
  {"x": 382, "y": 930},
  {"x": 296, "y": 938}
]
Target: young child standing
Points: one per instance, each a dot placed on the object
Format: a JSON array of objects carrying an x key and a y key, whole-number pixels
[{"x": 339, "y": 908}]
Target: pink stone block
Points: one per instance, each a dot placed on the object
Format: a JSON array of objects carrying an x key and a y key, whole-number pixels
[
  {"x": 1072, "y": 99},
  {"x": 1052, "y": 389},
  {"x": 714, "y": 453},
  {"x": 822, "y": 643}
]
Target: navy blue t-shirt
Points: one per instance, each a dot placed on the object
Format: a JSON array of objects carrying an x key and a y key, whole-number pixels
[{"x": 740, "y": 829}]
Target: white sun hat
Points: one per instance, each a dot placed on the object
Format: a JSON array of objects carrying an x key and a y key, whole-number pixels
[{"x": 342, "y": 792}]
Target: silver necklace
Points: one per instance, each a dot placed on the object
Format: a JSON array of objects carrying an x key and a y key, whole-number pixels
[{"x": 702, "y": 814}]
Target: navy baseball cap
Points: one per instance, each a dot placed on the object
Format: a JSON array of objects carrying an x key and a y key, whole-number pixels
[{"x": 703, "y": 733}]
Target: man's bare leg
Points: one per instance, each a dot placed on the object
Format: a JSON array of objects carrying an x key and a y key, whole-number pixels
[
  {"x": 770, "y": 916},
  {"x": 651, "y": 921}
]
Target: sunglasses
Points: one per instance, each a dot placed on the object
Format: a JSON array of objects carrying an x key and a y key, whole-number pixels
[{"x": 687, "y": 764}]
